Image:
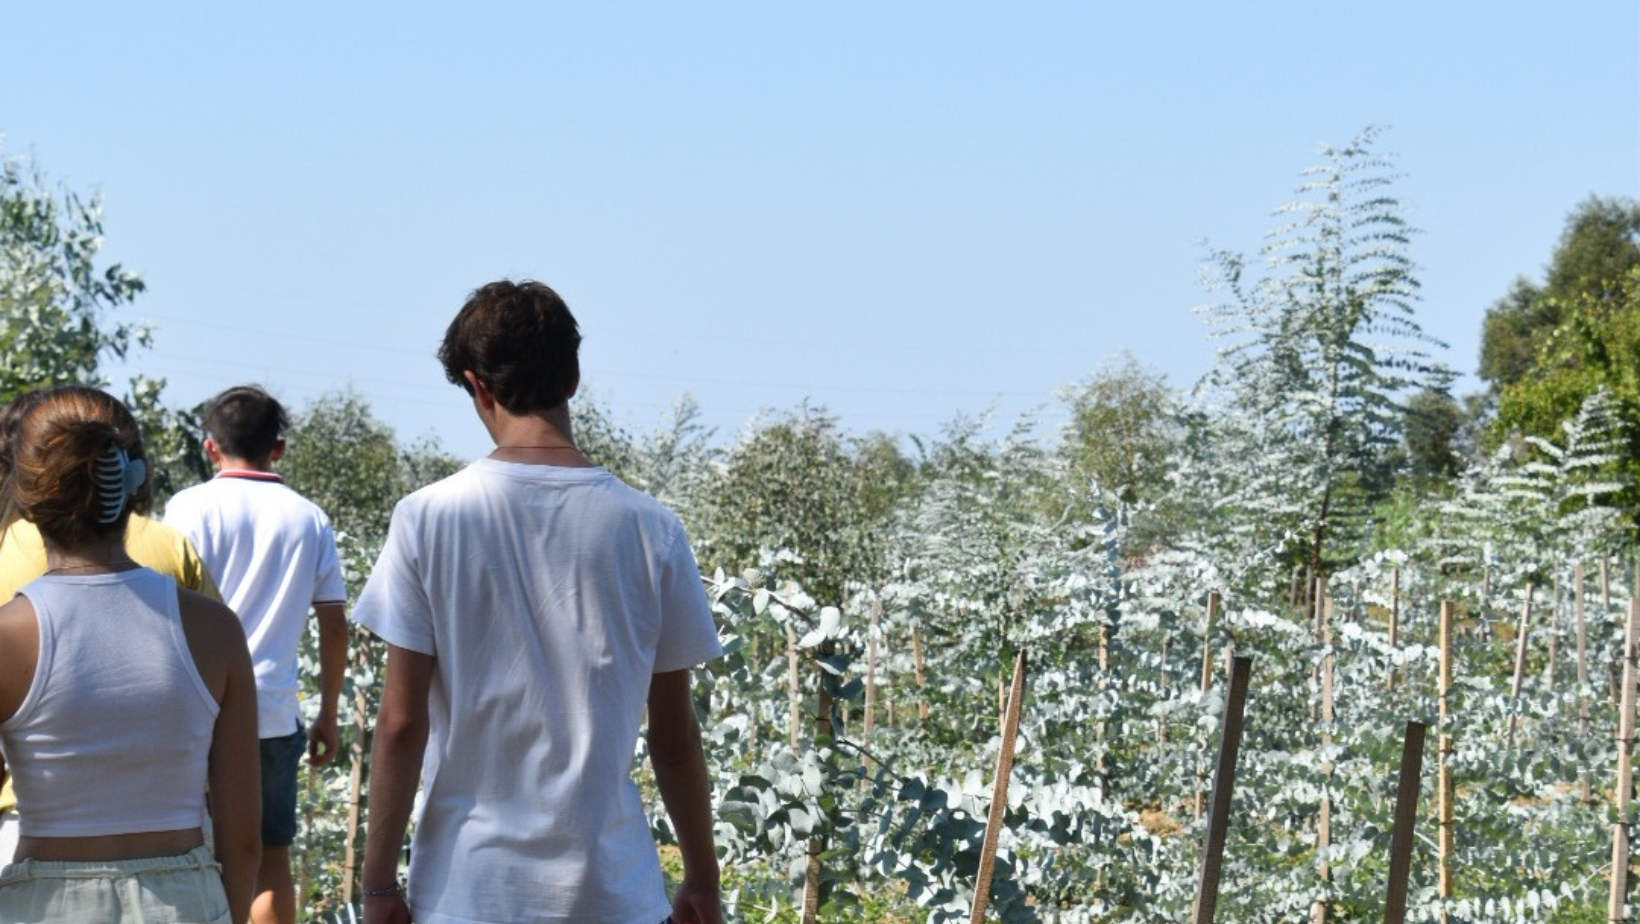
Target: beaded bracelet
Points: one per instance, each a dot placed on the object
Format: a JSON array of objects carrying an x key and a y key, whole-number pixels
[{"x": 393, "y": 889}]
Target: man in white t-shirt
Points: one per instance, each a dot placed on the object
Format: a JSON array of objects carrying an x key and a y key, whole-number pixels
[
  {"x": 273, "y": 555},
  {"x": 534, "y": 607}
]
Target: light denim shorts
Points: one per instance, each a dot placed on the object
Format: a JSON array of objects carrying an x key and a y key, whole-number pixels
[{"x": 185, "y": 889}]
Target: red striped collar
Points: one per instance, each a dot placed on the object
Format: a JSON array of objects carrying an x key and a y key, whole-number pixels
[{"x": 250, "y": 475}]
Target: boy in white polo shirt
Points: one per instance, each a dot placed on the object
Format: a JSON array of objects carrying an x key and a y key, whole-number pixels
[{"x": 273, "y": 555}]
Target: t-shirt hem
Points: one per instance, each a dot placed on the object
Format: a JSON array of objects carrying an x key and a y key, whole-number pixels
[
  {"x": 392, "y": 634},
  {"x": 691, "y": 659},
  {"x": 421, "y": 915}
]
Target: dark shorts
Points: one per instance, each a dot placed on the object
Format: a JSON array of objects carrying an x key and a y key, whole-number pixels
[{"x": 280, "y": 759}]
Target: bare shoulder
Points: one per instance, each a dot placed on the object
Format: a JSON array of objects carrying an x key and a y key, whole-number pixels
[
  {"x": 215, "y": 637},
  {"x": 19, "y": 653},
  {"x": 206, "y": 615},
  {"x": 17, "y": 616}
]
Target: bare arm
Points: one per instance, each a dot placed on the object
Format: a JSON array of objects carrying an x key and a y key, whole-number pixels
[
  {"x": 324, "y": 738},
  {"x": 680, "y": 773},
  {"x": 395, "y": 770},
  {"x": 19, "y": 653},
  {"x": 235, "y": 772}
]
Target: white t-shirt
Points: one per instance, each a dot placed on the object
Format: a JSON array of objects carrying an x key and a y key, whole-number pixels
[
  {"x": 273, "y": 555},
  {"x": 548, "y": 597}
]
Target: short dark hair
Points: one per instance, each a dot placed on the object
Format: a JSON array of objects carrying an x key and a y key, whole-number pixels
[
  {"x": 245, "y": 421},
  {"x": 520, "y": 340}
]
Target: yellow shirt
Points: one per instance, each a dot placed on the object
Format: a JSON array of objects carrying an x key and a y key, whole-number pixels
[{"x": 149, "y": 543}]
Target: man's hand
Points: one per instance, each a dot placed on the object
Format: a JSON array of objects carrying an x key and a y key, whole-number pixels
[
  {"x": 324, "y": 740},
  {"x": 386, "y": 909},
  {"x": 693, "y": 904}
]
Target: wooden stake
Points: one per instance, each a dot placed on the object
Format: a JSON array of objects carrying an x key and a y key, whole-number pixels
[
  {"x": 1394, "y": 620},
  {"x": 1618, "y": 897},
  {"x": 1582, "y": 649},
  {"x": 1196, "y": 803},
  {"x": 1315, "y": 603},
  {"x": 917, "y": 669},
  {"x": 871, "y": 665},
  {"x": 1104, "y": 682},
  {"x": 1161, "y": 724},
  {"x": 795, "y": 723},
  {"x": 1207, "y": 641},
  {"x": 1316, "y": 628},
  {"x": 1606, "y": 607},
  {"x": 1444, "y": 751},
  {"x": 1213, "y": 603},
  {"x": 1224, "y": 784},
  {"x": 999, "y": 793},
  {"x": 1323, "y": 831},
  {"x": 823, "y": 734},
  {"x": 1520, "y": 663},
  {"x": 1406, "y": 815},
  {"x": 355, "y": 780},
  {"x": 1554, "y": 635},
  {"x": 309, "y": 803}
]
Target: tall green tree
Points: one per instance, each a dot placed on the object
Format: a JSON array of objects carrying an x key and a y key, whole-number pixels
[
  {"x": 795, "y": 486},
  {"x": 1120, "y": 442},
  {"x": 57, "y": 300},
  {"x": 1600, "y": 243},
  {"x": 1120, "y": 430},
  {"x": 55, "y": 294},
  {"x": 1324, "y": 349},
  {"x": 346, "y": 460},
  {"x": 1437, "y": 438},
  {"x": 1596, "y": 346}
]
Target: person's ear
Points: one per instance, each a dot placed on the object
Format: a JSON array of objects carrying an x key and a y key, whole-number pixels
[
  {"x": 213, "y": 451},
  {"x": 278, "y": 451},
  {"x": 481, "y": 392}
]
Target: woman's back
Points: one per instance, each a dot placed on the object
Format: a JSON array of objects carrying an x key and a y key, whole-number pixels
[
  {"x": 121, "y": 697},
  {"x": 114, "y": 733}
]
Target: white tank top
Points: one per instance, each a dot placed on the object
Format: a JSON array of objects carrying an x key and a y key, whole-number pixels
[{"x": 115, "y": 732}]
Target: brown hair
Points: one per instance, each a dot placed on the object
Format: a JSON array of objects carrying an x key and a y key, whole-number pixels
[
  {"x": 11, "y": 418},
  {"x": 520, "y": 340},
  {"x": 55, "y": 457}
]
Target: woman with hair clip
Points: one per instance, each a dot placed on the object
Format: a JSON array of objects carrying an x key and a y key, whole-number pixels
[
  {"x": 150, "y": 543},
  {"x": 121, "y": 697}
]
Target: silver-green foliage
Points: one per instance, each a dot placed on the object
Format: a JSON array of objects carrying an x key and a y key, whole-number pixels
[{"x": 1322, "y": 349}]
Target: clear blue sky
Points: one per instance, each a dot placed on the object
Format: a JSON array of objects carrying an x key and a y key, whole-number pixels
[{"x": 900, "y": 211}]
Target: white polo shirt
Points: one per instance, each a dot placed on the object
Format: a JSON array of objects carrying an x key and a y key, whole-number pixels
[{"x": 273, "y": 554}]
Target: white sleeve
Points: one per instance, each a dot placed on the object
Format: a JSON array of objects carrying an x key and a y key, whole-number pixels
[
  {"x": 328, "y": 585},
  {"x": 688, "y": 635},
  {"x": 394, "y": 604}
]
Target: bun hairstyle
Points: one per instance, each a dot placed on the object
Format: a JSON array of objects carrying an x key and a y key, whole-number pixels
[{"x": 77, "y": 466}]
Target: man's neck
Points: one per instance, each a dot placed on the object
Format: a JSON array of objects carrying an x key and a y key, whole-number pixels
[
  {"x": 235, "y": 464},
  {"x": 545, "y": 438},
  {"x": 542, "y": 428}
]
